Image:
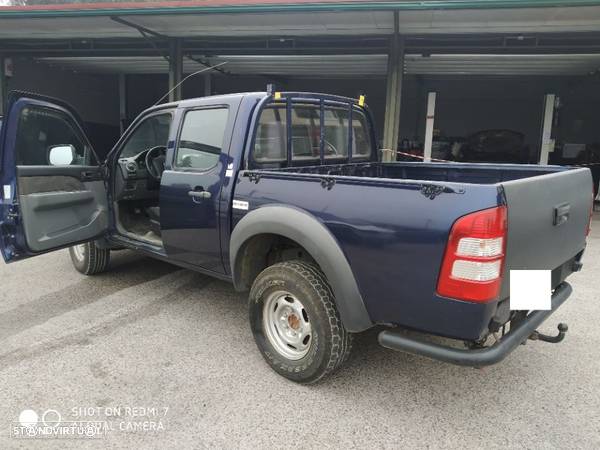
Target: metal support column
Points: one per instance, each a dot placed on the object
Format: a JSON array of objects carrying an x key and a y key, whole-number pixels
[
  {"x": 393, "y": 102},
  {"x": 122, "y": 102},
  {"x": 547, "y": 144},
  {"x": 2, "y": 86},
  {"x": 429, "y": 126},
  {"x": 175, "y": 69}
]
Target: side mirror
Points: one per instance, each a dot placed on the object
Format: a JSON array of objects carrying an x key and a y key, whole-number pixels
[{"x": 61, "y": 155}]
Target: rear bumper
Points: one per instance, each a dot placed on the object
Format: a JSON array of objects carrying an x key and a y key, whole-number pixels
[{"x": 482, "y": 356}]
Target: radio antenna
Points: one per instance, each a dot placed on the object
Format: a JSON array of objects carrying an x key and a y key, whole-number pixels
[{"x": 206, "y": 69}]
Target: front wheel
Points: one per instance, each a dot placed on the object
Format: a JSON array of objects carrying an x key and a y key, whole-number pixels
[
  {"x": 295, "y": 322},
  {"x": 88, "y": 259}
]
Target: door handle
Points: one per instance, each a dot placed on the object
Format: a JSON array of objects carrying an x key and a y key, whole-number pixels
[
  {"x": 88, "y": 175},
  {"x": 199, "y": 194}
]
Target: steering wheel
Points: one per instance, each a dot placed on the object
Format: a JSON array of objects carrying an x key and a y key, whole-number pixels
[
  {"x": 329, "y": 147},
  {"x": 155, "y": 161}
]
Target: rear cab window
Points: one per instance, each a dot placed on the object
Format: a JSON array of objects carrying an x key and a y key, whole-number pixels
[
  {"x": 201, "y": 139},
  {"x": 271, "y": 140}
]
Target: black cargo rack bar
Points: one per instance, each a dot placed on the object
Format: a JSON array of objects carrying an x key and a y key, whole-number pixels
[{"x": 478, "y": 357}]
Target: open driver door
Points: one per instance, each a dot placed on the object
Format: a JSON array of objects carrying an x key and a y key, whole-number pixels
[{"x": 53, "y": 189}]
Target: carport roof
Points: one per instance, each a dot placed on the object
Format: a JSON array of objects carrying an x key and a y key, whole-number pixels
[
  {"x": 287, "y": 36},
  {"x": 239, "y": 6},
  {"x": 296, "y": 17}
]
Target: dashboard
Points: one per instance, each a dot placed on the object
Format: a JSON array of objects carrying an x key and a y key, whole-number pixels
[{"x": 132, "y": 181}]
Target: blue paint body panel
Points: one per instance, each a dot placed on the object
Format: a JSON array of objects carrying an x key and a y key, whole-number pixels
[{"x": 394, "y": 239}]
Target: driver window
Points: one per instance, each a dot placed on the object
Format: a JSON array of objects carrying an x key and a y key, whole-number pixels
[
  {"x": 40, "y": 129},
  {"x": 152, "y": 132}
]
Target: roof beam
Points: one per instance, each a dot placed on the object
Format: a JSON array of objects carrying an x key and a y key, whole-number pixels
[
  {"x": 143, "y": 30},
  {"x": 157, "y": 43},
  {"x": 173, "y": 65},
  {"x": 216, "y": 7}
]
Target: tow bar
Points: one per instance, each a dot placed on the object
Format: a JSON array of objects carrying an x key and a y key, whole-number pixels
[
  {"x": 480, "y": 357},
  {"x": 562, "y": 331}
]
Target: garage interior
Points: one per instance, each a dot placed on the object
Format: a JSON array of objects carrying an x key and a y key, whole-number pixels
[{"x": 484, "y": 83}]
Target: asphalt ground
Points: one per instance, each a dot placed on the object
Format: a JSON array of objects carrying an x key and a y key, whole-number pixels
[{"x": 164, "y": 358}]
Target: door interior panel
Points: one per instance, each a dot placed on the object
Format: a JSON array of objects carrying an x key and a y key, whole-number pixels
[
  {"x": 61, "y": 205},
  {"x": 38, "y": 184},
  {"x": 55, "y": 171},
  {"x": 54, "y": 189}
]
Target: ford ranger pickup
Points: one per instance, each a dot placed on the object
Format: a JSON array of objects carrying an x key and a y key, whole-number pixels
[{"x": 285, "y": 196}]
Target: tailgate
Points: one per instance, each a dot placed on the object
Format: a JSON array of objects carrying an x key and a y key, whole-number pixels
[{"x": 548, "y": 217}]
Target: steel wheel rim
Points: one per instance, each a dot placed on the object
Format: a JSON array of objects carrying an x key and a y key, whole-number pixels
[
  {"x": 79, "y": 252},
  {"x": 286, "y": 324}
]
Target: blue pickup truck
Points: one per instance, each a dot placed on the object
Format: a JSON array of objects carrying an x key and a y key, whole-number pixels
[{"x": 284, "y": 195}]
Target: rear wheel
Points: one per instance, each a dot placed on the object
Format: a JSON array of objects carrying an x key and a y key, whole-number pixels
[
  {"x": 88, "y": 259},
  {"x": 295, "y": 322}
]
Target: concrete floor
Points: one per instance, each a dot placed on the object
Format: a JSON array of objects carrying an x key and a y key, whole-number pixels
[{"x": 149, "y": 335}]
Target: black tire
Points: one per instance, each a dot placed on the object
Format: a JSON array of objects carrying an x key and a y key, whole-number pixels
[
  {"x": 329, "y": 344},
  {"x": 89, "y": 259}
]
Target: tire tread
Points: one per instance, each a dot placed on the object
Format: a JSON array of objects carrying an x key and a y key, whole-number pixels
[
  {"x": 96, "y": 259},
  {"x": 340, "y": 338}
]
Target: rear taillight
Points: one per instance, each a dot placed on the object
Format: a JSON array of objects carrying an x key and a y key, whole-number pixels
[{"x": 472, "y": 265}]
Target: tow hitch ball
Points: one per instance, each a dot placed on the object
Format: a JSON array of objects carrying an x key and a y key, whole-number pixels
[{"x": 562, "y": 331}]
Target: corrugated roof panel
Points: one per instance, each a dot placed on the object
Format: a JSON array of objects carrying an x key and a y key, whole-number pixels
[
  {"x": 348, "y": 65},
  {"x": 423, "y": 22},
  {"x": 502, "y": 64},
  {"x": 290, "y": 65}
]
